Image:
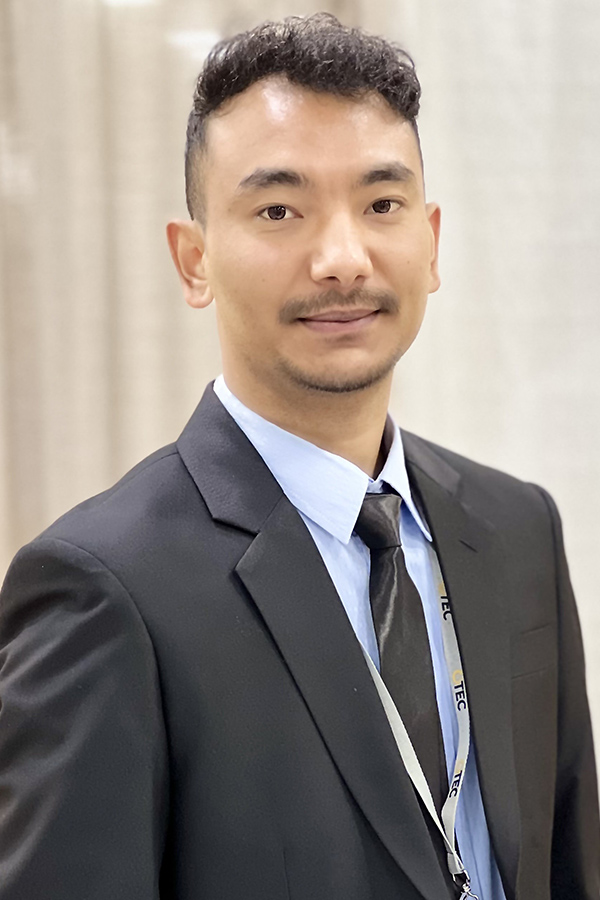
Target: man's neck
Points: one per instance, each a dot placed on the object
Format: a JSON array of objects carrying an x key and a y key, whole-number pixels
[{"x": 351, "y": 425}]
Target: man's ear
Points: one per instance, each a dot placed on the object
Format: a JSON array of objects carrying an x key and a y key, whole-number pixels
[
  {"x": 186, "y": 243},
  {"x": 434, "y": 215}
]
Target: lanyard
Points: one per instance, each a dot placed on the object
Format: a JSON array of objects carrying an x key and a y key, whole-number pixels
[{"x": 407, "y": 752}]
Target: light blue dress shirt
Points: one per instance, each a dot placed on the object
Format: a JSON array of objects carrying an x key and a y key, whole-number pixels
[{"x": 328, "y": 492}]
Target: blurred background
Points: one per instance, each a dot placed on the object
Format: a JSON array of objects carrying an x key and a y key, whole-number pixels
[{"x": 101, "y": 361}]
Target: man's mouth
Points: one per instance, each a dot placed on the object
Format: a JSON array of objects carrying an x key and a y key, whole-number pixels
[
  {"x": 333, "y": 307},
  {"x": 340, "y": 315},
  {"x": 340, "y": 320}
]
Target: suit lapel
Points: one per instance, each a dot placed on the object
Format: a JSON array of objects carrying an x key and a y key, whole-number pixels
[{"x": 472, "y": 562}]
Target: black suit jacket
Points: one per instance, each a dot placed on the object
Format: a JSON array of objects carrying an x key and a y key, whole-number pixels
[{"x": 186, "y": 712}]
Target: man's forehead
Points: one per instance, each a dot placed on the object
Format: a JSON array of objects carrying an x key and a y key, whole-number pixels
[
  {"x": 277, "y": 124},
  {"x": 278, "y": 97}
]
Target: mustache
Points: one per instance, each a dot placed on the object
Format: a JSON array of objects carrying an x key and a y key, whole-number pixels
[{"x": 304, "y": 307}]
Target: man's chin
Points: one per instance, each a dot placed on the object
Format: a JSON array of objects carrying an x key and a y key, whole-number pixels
[{"x": 336, "y": 382}]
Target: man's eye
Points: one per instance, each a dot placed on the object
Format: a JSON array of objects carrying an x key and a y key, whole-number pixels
[
  {"x": 384, "y": 206},
  {"x": 275, "y": 213}
]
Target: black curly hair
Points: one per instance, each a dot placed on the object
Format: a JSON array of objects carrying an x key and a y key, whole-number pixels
[{"x": 317, "y": 53}]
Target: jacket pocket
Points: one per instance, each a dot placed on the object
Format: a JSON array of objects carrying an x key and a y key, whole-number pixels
[{"x": 533, "y": 650}]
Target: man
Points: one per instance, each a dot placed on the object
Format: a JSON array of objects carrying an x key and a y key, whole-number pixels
[{"x": 191, "y": 699}]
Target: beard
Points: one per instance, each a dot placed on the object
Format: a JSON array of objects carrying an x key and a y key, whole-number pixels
[{"x": 337, "y": 382}]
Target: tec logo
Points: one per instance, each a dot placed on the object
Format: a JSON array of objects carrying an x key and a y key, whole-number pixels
[
  {"x": 455, "y": 784},
  {"x": 460, "y": 696},
  {"x": 445, "y": 607}
]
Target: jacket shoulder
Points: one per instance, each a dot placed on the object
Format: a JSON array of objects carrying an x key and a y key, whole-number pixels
[
  {"x": 139, "y": 505},
  {"x": 494, "y": 494}
]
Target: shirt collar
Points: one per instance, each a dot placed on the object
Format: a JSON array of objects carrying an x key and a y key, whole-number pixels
[
  {"x": 394, "y": 473},
  {"x": 289, "y": 457}
]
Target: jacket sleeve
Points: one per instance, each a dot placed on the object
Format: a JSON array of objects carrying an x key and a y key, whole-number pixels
[
  {"x": 83, "y": 769},
  {"x": 576, "y": 836}
]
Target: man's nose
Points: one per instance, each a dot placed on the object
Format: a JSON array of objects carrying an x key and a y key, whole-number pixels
[{"x": 340, "y": 255}]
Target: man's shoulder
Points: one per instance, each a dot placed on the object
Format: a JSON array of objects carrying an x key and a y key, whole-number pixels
[
  {"x": 493, "y": 493},
  {"x": 419, "y": 450},
  {"x": 136, "y": 511},
  {"x": 139, "y": 483}
]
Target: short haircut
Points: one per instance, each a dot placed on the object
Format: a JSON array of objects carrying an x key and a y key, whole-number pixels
[{"x": 317, "y": 53}]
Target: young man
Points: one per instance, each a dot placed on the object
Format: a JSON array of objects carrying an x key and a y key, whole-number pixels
[{"x": 191, "y": 699}]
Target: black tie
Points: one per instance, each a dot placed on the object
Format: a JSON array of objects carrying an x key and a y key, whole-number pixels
[{"x": 405, "y": 657}]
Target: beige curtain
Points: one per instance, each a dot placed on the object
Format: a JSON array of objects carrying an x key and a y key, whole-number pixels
[{"x": 101, "y": 361}]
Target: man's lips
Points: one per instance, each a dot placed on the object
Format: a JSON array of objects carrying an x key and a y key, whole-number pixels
[
  {"x": 340, "y": 320},
  {"x": 340, "y": 315}
]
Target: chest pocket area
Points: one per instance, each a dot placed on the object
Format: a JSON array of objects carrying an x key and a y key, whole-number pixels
[{"x": 532, "y": 651}]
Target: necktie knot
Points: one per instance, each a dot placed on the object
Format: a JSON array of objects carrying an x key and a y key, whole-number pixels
[{"x": 378, "y": 523}]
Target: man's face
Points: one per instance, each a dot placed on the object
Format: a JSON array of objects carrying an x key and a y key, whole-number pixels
[{"x": 318, "y": 246}]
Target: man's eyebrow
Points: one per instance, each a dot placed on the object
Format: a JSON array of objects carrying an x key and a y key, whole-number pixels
[
  {"x": 264, "y": 178},
  {"x": 387, "y": 172}
]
